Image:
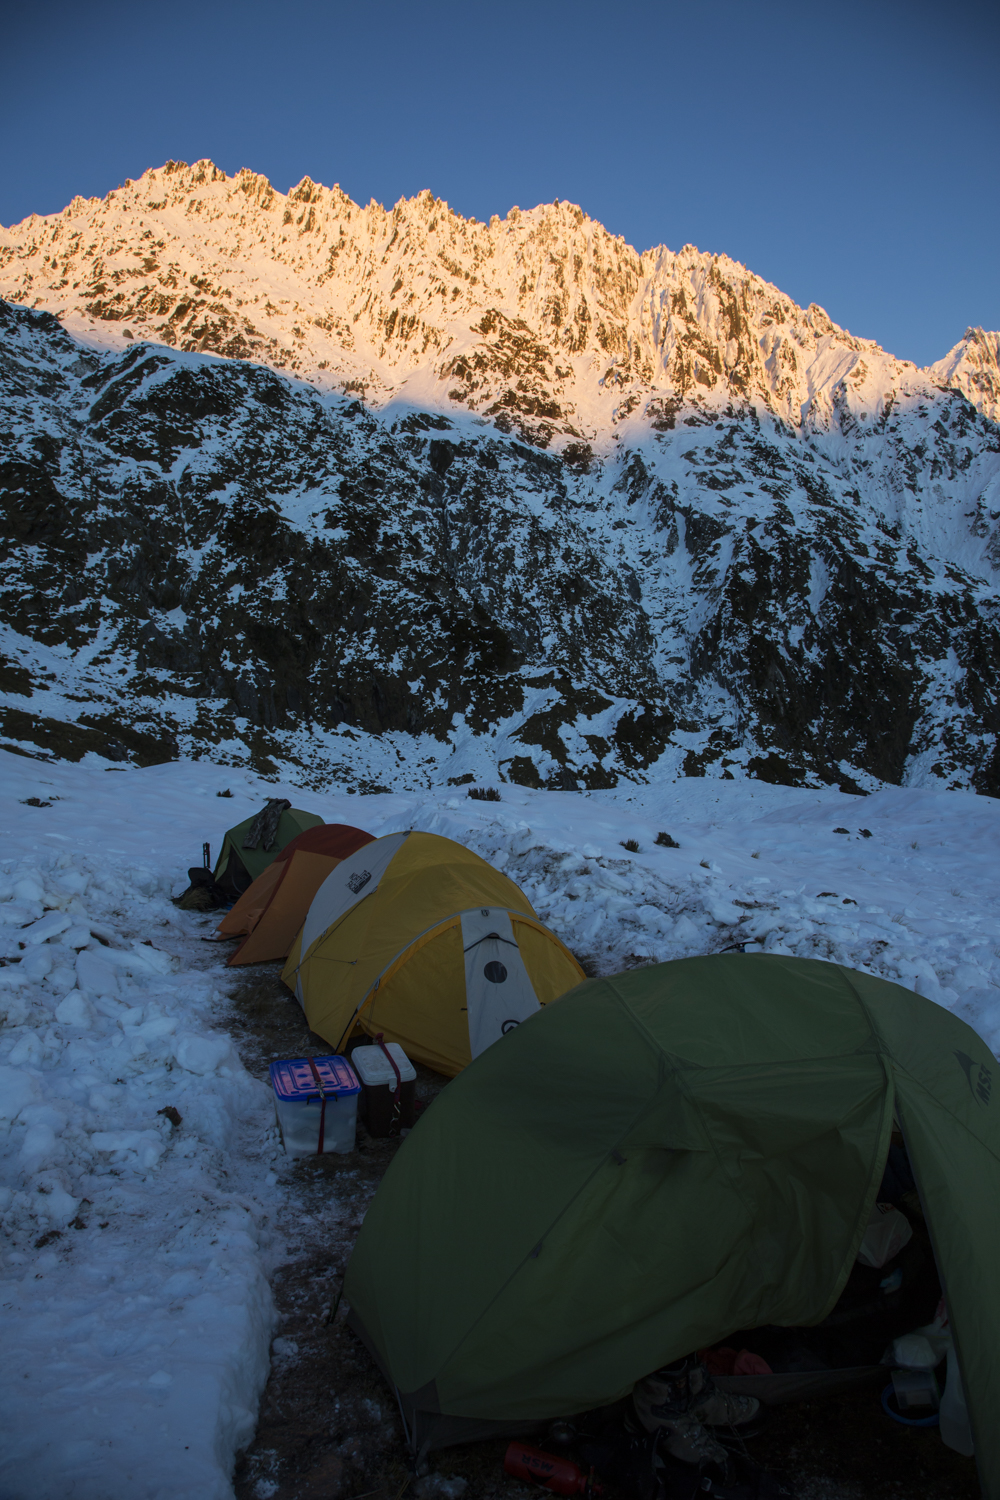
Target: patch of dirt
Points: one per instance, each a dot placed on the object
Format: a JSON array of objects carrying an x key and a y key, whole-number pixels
[
  {"x": 329, "y": 1428},
  {"x": 846, "y": 1448}
]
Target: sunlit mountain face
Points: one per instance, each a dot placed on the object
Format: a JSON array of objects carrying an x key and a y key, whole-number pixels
[{"x": 395, "y": 497}]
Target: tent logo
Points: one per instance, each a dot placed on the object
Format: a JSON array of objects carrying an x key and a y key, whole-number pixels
[
  {"x": 508, "y": 1026},
  {"x": 979, "y": 1076},
  {"x": 495, "y": 971},
  {"x": 358, "y": 880}
]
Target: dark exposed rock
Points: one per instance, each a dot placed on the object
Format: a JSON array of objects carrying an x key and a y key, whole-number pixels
[{"x": 201, "y": 555}]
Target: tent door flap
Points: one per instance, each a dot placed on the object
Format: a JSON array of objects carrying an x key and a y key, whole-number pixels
[{"x": 499, "y": 993}]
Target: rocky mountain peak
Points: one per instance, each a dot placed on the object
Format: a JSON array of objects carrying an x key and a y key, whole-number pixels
[
  {"x": 541, "y": 321},
  {"x": 973, "y": 367}
]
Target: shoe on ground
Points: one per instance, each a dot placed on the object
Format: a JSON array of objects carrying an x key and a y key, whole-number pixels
[
  {"x": 662, "y": 1403},
  {"x": 719, "y": 1408},
  {"x": 686, "y": 1389}
]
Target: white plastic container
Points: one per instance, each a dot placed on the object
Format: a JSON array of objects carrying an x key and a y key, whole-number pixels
[
  {"x": 379, "y": 1084},
  {"x": 316, "y": 1102}
]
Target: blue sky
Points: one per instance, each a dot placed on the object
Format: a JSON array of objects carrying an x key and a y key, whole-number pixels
[{"x": 848, "y": 152}]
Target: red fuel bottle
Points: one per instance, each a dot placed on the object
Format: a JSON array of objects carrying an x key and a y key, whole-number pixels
[{"x": 556, "y": 1474}]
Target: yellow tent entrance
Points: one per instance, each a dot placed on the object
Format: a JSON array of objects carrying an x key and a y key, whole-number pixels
[{"x": 419, "y": 938}]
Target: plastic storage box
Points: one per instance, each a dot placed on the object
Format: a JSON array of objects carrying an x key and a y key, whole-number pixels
[
  {"x": 379, "y": 1084},
  {"x": 316, "y": 1101}
]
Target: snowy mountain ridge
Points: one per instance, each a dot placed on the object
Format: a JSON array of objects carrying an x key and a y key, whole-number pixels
[
  {"x": 598, "y": 515},
  {"x": 543, "y": 319}
]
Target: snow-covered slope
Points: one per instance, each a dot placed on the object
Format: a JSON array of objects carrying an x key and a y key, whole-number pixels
[{"x": 598, "y": 514}]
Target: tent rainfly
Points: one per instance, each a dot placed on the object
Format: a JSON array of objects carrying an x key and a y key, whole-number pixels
[
  {"x": 271, "y": 910},
  {"x": 419, "y": 939},
  {"x": 661, "y": 1158}
]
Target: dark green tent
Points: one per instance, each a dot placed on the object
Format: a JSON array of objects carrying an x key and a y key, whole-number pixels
[
  {"x": 251, "y": 846},
  {"x": 657, "y": 1160}
]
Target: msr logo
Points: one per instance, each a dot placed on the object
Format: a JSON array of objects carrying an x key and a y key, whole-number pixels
[
  {"x": 358, "y": 880},
  {"x": 979, "y": 1075}
]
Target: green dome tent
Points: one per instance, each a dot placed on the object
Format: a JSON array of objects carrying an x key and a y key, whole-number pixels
[
  {"x": 252, "y": 845},
  {"x": 656, "y": 1160}
]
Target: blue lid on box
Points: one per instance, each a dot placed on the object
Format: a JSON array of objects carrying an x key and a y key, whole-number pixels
[{"x": 310, "y": 1078}]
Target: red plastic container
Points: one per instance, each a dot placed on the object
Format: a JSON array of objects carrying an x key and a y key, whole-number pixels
[{"x": 556, "y": 1474}]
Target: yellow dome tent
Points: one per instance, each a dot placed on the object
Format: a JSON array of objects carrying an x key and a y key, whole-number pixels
[{"x": 420, "y": 939}]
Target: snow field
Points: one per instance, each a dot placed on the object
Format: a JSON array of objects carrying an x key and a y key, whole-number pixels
[{"x": 133, "y": 1275}]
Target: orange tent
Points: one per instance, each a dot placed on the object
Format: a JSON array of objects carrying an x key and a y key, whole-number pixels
[{"x": 272, "y": 909}]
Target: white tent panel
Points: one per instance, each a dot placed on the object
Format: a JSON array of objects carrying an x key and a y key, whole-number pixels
[
  {"x": 354, "y": 878},
  {"x": 499, "y": 993}
]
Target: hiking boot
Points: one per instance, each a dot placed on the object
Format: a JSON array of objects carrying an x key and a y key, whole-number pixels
[
  {"x": 718, "y": 1408},
  {"x": 685, "y": 1439},
  {"x": 663, "y": 1402}
]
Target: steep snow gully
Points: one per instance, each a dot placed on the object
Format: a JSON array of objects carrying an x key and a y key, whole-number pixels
[{"x": 134, "y": 1273}]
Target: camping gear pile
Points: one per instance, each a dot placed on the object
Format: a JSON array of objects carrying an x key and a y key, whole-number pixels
[{"x": 613, "y": 1183}]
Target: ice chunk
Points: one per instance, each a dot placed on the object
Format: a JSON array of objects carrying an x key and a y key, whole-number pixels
[
  {"x": 62, "y": 979},
  {"x": 12, "y": 975},
  {"x": 95, "y": 974},
  {"x": 18, "y": 913},
  {"x": 49, "y": 926},
  {"x": 27, "y": 1051},
  {"x": 160, "y": 962},
  {"x": 685, "y": 931},
  {"x": 17, "y": 1089},
  {"x": 148, "y": 1144},
  {"x": 78, "y": 937},
  {"x": 37, "y": 963},
  {"x": 203, "y": 1054},
  {"x": 28, "y": 889},
  {"x": 14, "y": 1008},
  {"x": 40, "y": 1145},
  {"x": 157, "y": 1027},
  {"x": 724, "y": 912},
  {"x": 74, "y": 1010},
  {"x": 59, "y": 1206}
]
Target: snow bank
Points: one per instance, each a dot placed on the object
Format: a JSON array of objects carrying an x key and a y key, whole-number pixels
[
  {"x": 903, "y": 884},
  {"x": 136, "y": 1308}
]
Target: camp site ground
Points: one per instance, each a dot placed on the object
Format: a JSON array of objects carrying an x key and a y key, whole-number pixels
[{"x": 154, "y": 1274}]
